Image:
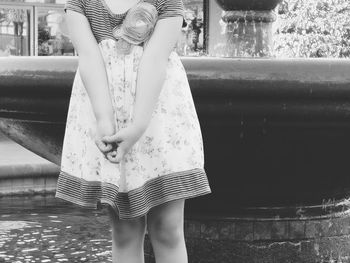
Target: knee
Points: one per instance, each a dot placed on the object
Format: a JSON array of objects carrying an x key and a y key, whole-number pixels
[
  {"x": 125, "y": 234},
  {"x": 166, "y": 231}
]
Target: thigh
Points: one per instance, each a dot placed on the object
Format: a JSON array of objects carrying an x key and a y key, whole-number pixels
[{"x": 137, "y": 224}]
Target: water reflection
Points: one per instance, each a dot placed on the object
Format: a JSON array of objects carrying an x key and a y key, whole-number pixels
[{"x": 54, "y": 234}]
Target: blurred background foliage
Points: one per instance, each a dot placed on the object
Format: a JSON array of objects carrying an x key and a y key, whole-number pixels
[{"x": 313, "y": 28}]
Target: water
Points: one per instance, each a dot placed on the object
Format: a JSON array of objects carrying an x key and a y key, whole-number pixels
[{"x": 50, "y": 231}]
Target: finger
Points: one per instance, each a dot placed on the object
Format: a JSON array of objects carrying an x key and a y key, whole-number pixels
[
  {"x": 112, "y": 138},
  {"x": 116, "y": 156},
  {"x": 111, "y": 156},
  {"x": 107, "y": 148},
  {"x": 104, "y": 147}
]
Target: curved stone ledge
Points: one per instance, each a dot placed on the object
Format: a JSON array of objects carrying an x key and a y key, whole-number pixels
[
  {"x": 248, "y": 4},
  {"x": 37, "y": 90}
]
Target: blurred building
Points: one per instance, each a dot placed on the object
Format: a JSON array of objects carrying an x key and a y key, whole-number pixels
[{"x": 37, "y": 28}]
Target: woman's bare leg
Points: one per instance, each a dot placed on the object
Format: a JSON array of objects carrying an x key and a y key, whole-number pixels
[
  {"x": 165, "y": 225},
  {"x": 127, "y": 239}
]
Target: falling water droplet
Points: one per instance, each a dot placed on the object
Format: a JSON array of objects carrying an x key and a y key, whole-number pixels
[
  {"x": 264, "y": 131},
  {"x": 241, "y": 135}
]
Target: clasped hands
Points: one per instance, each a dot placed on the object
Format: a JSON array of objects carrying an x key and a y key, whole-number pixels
[{"x": 114, "y": 145}]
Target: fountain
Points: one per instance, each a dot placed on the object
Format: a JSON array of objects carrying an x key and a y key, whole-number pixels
[
  {"x": 276, "y": 138},
  {"x": 247, "y": 29}
]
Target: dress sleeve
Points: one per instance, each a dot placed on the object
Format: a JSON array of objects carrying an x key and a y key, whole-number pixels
[
  {"x": 170, "y": 8},
  {"x": 75, "y": 5}
]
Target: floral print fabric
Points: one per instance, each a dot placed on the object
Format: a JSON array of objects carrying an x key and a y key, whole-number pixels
[{"x": 172, "y": 142}]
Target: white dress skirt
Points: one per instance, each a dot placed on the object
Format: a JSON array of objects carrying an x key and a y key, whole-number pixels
[{"x": 165, "y": 164}]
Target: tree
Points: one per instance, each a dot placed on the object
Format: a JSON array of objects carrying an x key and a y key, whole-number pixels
[{"x": 313, "y": 28}]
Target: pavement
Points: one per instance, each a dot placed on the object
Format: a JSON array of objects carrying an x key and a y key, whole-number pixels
[
  {"x": 11, "y": 153},
  {"x": 17, "y": 162}
]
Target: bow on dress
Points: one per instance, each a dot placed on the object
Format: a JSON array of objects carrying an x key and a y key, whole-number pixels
[{"x": 137, "y": 26}]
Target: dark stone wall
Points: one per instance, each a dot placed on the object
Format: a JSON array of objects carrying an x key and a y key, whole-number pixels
[{"x": 235, "y": 241}]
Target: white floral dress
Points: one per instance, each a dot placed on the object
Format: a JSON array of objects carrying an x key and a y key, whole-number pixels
[{"x": 166, "y": 163}]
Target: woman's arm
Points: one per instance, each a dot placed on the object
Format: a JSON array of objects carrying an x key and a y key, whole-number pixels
[
  {"x": 94, "y": 77},
  {"x": 152, "y": 68},
  {"x": 150, "y": 79},
  {"x": 91, "y": 65}
]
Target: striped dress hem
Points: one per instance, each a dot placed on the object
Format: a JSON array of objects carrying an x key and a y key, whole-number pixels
[{"x": 137, "y": 202}]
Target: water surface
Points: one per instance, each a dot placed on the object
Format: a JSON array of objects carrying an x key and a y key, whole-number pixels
[{"x": 46, "y": 230}]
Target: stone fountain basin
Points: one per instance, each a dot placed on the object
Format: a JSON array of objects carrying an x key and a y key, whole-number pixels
[
  {"x": 276, "y": 131},
  {"x": 257, "y": 5}
]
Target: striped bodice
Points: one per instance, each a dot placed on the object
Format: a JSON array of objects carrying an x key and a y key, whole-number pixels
[{"x": 102, "y": 19}]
